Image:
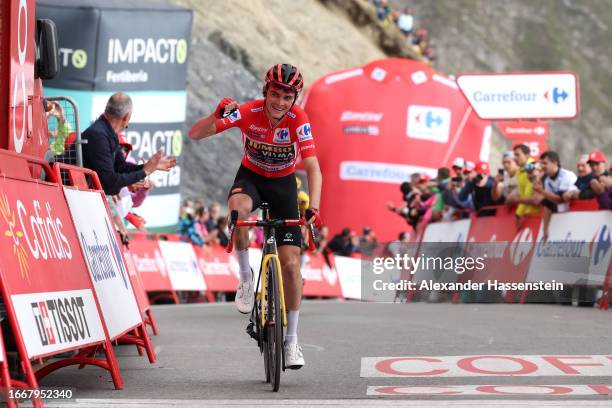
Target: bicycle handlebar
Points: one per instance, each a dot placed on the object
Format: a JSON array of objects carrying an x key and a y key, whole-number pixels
[{"x": 234, "y": 223}]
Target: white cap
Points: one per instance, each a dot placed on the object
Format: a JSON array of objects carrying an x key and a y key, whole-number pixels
[{"x": 459, "y": 162}]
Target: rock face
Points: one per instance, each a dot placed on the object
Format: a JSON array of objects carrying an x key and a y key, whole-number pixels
[
  {"x": 234, "y": 42},
  {"x": 523, "y": 35}
]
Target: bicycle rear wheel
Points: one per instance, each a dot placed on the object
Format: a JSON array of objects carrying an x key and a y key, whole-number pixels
[{"x": 274, "y": 327}]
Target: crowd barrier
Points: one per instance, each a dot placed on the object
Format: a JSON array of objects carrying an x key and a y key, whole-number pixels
[{"x": 62, "y": 275}]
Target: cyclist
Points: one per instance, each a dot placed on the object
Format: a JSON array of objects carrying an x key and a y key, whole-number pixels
[{"x": 274, "y": 131}]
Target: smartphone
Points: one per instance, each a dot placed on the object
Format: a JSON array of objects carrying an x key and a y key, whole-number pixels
[{"x": 500, "y": 172}]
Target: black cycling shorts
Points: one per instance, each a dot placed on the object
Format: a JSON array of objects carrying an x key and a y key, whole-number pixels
[{"x": 281, "y": 195}]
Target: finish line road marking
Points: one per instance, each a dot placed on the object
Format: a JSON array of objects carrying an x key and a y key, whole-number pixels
[
  {"x": 365, "y": 403},
  {"x": 491, "y": 390},
  {"x": 487, "y": 365}
]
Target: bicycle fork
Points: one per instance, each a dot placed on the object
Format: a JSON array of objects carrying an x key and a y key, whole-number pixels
[{"x": 264, "y": 283}]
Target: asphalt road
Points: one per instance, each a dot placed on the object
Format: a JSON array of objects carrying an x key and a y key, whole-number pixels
[{"x": 206, "y": 359}]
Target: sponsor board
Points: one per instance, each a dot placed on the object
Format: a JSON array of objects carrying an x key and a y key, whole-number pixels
[
  {"x": 349, "y": 275},
  {"x": 319, "y": 278},
  {"x": 527, "y": 95},
  {"x": 442, "y": 239},
  {"x": 577, "y": 250},
  {"x": 220, "y": 269},
  {"x": 104, "y": 260},
  {"x": 380, "y": 172},
  {"x": 54, "y": 321},
  {"x": 36, "y": 235},
  {"x": 487, "y": 365},
  {"x": 182, "y": 266},
  {"x": 529, "y": 390},
  {"x": 150, "y": 265}
]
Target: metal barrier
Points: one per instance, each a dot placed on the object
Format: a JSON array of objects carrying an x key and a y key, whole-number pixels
[{"x": 64, "y": 139}]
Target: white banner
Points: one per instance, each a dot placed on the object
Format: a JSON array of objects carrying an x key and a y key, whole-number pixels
[
  {"x": 54, "y": 321},
  {"x": 104, "y": 261},
  {"x": 438, "y": 241},
  {"x": 529, "y": 95},
  {"x": 577, "y": 251},
  {"x": 182, "y": 266},
  {"x": 349, "y": 272}
]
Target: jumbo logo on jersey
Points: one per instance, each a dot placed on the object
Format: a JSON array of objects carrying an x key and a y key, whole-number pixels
[
  {"x": 428, "y": 123},
  {"x": 270, "y": 157},
  {"x": 304, "y": 132},
  {"x": 281, "y": 135}
]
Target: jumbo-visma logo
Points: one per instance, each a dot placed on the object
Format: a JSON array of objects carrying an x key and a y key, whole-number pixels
[
  {"x": 428, "y": 123},
  {"x": 600, "y": 245},
  {"x": 556, "y": 95},
  {"x": 33, "y": 229}
]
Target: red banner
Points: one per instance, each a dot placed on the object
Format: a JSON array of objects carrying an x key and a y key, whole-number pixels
[
  {"x": 319, "y": 278},
  {"x": 377, "y": 124},
  {"x": 220, "y": 269},
  {"x": 150, "y": 265},
  {"x": 139, "y": 290},
  {"x": 44, "y": 276},
  {"x": 506, "y": 249},
  {"x": 533, "y": 134}
]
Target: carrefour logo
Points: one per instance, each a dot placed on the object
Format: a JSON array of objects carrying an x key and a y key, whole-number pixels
[
  {"x": 521, "y": 246},
  {"x": 556, "y": 95},
  {"x": 600, "y": 245},
  {"x": 428, "y": 123},
  {"x": 281, "y": 135}
]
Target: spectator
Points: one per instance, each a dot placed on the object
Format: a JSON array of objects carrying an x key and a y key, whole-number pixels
[
  {"x": 102, "y": 153},
  {"x": 583, "y": 171},
  {"x": 222, "y": 231},
  {"x": 506, "y": 183},
  {"x": 480, "y": 185},
  {"x": 62, "y": 128},
  {"x": 597, "y": 161},
  {"x": 605, "y": 199},
  {"x": 555, "y": 183},
  {"x": 368, "y": 241},
  {"x": 405, "y": 22},
  {"x": 201, "y": 216},
  {"x": 186, "y": 227},
  {"x": 383, "y": 10},
  {"x": 458, "y": 165},
  {"x": 215, "y": 211},
  {"x": 344, "y": 243},
  {"x": 524, "y": 195}
]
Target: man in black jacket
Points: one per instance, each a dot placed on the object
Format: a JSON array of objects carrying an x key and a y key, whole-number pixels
[{"x": 103, "y": 154}]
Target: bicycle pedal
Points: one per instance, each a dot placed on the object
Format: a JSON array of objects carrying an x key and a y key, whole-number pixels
[{"x": 251, "y": 330}]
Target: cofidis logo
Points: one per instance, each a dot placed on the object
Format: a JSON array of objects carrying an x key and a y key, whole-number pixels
[{"x": 34, "y": 231}]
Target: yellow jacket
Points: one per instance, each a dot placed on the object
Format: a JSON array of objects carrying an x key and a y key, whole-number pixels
[{"x": 525, "y": 189}]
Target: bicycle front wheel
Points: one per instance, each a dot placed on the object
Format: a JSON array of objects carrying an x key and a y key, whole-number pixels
[{"x": 274, "y": 326}]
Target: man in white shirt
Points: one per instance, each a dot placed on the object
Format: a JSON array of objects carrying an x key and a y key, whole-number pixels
[{"x": 555, "y": 183}]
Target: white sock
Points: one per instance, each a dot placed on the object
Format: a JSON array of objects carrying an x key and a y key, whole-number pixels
[
  {"x": 292, "y": 325},
  {"x": 246, "y": 275}
]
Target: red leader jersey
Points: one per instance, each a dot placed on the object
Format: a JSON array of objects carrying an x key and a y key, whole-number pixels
[{"x": 270, "y": 151}]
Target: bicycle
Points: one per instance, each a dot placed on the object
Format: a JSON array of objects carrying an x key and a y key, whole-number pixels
[{"x": 269, "y": 314}]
